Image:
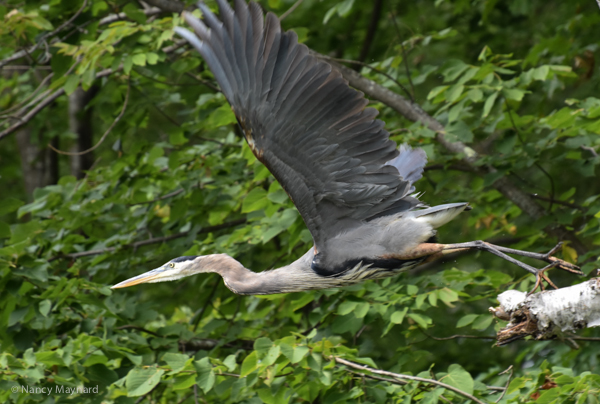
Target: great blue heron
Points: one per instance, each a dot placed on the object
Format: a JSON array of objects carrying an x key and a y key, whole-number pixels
[{"x": 351, "y": 185}]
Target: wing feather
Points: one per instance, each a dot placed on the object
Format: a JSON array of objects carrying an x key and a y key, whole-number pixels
[{"x": 302, "y": 120}]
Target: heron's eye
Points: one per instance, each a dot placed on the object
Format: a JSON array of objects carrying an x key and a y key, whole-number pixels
[{"x": 172, "y": 265}]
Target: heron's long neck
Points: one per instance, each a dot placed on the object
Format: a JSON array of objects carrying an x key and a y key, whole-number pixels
[{"x": 296, "y": 277}]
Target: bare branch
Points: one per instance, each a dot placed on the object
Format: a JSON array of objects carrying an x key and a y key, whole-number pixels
[
  {"x": 291, "y": 9},
  {"x": 376, "y": 70},
  {"x": 33, "y": 112},
  {"x": 160, "y": 198},
  {"x": 173, "y": 6},
  {"x": 116, "y": 17},
  {"x": 150, "y": 241},
  {"x": 375, "y": 16},
  {"x": 18, "y": 105},
  {"x": 110, "y": 128},
  {"x": 406, "y": 377},
  {"x": 510, "y": 373}
]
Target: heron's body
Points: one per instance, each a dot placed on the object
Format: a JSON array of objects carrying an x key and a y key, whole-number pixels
[{"x": 351, "y": 184}]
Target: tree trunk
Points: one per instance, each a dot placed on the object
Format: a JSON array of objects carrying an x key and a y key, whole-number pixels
[{"x": 80, "y": 123}]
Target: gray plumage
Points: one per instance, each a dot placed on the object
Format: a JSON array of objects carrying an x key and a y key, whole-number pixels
[{"x": 352, "y": 187}]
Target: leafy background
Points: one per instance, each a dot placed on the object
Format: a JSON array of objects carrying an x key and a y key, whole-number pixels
[{"x": 516, "y": 82}]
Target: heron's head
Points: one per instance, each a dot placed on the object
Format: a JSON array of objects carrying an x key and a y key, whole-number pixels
[{"x": 176, "y": 268}]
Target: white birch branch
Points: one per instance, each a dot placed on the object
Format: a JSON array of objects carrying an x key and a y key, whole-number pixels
[{"x": 546, "y": 315}]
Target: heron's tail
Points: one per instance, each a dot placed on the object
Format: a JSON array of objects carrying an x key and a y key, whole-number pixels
[{"x": 437, "y": 216}]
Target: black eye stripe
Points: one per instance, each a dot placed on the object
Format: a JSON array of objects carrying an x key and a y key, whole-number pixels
[{"x": 184, "y": 258}]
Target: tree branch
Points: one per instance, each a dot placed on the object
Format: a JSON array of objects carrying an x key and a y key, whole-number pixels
[
  {"x": 41, "y": 105},
  {"x": 375, "y": 15},
  {"x": 291, "y": 10},
  {"x": 173, "y": 6},
  {"x": 406, "y": 377},
  {"x": 546, "y": 315},
  {"x": 150, "y": 241}
]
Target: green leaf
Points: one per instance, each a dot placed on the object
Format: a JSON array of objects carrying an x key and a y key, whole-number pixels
[
  {"x": 346, "y": 307},
  {"x": 4, "y": 230},
  {"x": 9, "y": 205},
  {"x": 459, "y": 378},
  {"x": 299, "y": 354},
  {"x": 230, "y": 363},
  {"x": 176, "y": 361},
  {"x": 422, "y": 320},
  {"x": 513, "y": 93},
  {"x": 489, "y": 103},
  {"x": 139, "y": 59},
  {"x": 220, "y": 117},
  {"x": 262, "y": 345},
  {"x": 255, "y": 200},
  {"x": 271, "y": 356},
  {"x": 483, "y": 321},
  {"x": 71, "y": 84},
  {"x": 140, "y": 381},
  {"x": 249, "y": 365},
  {"x": 205, "y": 375},
  {"x": 466, "y": 320},
  {"x": 44, "y": 307},
  {"x": 447, "y": 295},
  {"x": 461, "y": 131},
  {"x": 361, "y": 310}
]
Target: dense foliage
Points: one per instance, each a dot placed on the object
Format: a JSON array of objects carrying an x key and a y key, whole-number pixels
[{"x": 515, "y": 81}]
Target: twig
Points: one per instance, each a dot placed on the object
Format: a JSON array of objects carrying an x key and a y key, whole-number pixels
[
  {"x": 293, "y": 7},
  {"x": 556, "y": 201},
  {"x": 375, "y": 15},
  {"x": 43, "y": 104},
  {"x": 510, "y": 373},
  {"x": 535, "y": 162},
  {"x": 383, "y": 379},
  {"x": 25, "y": 67},
  {"x": 150, "y": 241},
  {"x": 18, "y": 105},
  {"x": 116, "y": 17},
  {"x": 588, "y": 148},
  {"x": 457, "y": 336},
  {"x": 33, "y": 112},
  {"x": 357, "y": 62},
  {"x": 110, "y": 128},
  {"x": 407, "y": 377},
  {"x": 137, "y": 327},
  {"x": 198, "y": 315},
  {"x": 206, "y": 83},
  {"x": 404, "y": 57},
  {"x": 160, "y": 198}
]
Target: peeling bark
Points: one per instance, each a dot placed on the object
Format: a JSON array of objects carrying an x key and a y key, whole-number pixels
[{"x": 547, "y": 314}]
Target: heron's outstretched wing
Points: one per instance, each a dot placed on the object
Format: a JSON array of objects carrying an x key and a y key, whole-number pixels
[{"x": 303, "y": 122}]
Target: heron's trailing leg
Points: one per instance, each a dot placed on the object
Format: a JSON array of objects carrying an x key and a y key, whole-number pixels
[
  {"x": 436, "y": 251},
  {"x": 501, "y": 252}
]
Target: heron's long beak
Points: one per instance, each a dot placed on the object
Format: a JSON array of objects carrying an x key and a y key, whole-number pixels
[{"x": 151, "y": 276}]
